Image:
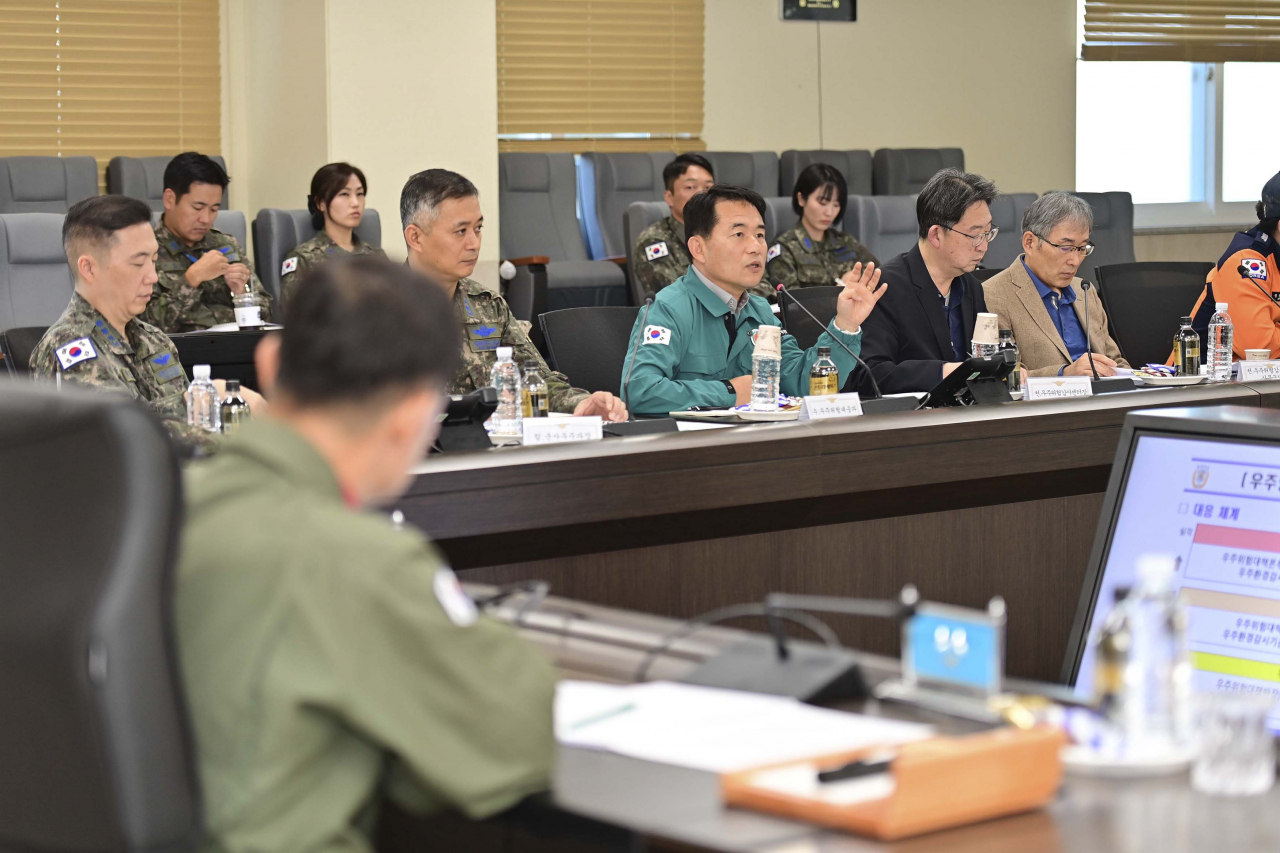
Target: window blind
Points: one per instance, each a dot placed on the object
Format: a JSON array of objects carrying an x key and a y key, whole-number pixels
[
  {"x": 1182, "y": 30},
  {"x": 600, "y": 75},
  {"x": 109, "y": 77}
]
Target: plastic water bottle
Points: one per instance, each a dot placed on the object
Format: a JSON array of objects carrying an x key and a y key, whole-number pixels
[
  {"x": 1157, "y": 711},
  {"x": 505, "y": 377},
  {"x": 766, "y": 369},
  {"x": 204, "y": 406},
  {"x": 1220, "y": 333},
  {"x": 248, "y": 312}
]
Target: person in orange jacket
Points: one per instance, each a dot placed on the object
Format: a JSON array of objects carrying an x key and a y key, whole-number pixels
[{"x": 1247, "y": 278}]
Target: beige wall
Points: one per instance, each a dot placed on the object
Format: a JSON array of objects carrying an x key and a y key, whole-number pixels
[
  {"x": 394, "y": 87},
  {"x": 908, "y": 73}
]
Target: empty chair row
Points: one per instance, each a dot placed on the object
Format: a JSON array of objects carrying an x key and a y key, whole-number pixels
[{"x": 53, "y": 184}]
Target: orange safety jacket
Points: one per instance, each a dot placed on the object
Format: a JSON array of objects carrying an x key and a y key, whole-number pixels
[{"x": 1248, "y": 280}]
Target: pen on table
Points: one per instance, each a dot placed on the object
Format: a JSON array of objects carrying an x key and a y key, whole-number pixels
[{"x": 602, "y": 716}]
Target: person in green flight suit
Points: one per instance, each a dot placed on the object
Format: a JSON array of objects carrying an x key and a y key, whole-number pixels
[
  {"x": 695, "y": 347},
  {"x": 660, "y": 255},
  {"x": 440, "y": 211},
  {"x": 201, "y": 269},
  {"x": 333, "y": 665},
  {"x": 336, "y": 205},
  {"x": 815, "y": 253}
]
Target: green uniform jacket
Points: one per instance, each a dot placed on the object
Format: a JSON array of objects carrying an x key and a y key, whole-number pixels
[
  {"x": 487, "y": 324},
  {"x": 323, "y": 672},
  {"x": 84, "y": 348},
  {"x": 796, "y": 261},
  {"x": 314, "y": 252},
  {"x": 682, "y": 358},
  {"x": 176, "y": 307}
]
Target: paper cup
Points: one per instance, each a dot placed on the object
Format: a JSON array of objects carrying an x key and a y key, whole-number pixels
[
  {"x": 986, "y": 329},
  {"x": 768, "y": 341},
  {"x": 1257, "y": 355}
]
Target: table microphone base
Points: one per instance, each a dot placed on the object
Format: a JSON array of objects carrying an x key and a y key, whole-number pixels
[
  {"x": 810, "y": 673},
  {"x": 1112, "y": 383}
]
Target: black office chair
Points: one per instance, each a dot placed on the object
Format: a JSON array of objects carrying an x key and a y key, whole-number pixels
[
  {"x": 17, "y": 346},
  {"x": 820, "y": 300},
  {"x": 97, "y": 753},
  {"x": 589, "y": 345},
  {"x": 1144, "y": 303}
]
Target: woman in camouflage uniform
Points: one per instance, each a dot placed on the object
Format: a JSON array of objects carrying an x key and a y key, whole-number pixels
[
  {"x": 336, "y": 204},
  {"x": 815, "y": 253}
]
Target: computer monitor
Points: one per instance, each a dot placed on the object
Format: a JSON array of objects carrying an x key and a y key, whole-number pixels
[{"x": 1202, "y": 485}]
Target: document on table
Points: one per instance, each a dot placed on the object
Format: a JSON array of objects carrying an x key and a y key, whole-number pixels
[{"x": 705, "y": 728}]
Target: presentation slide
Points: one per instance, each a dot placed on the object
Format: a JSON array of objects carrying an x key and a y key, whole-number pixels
[{"x": 1215, "y": 506}]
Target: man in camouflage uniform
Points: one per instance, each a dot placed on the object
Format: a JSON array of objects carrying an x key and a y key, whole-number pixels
[
  {"x": 660, "y": 255},
  {"x": 99, "y": 340},
  {"x": 200, "y": 268},
  {"x": 440, "y": 211},
  {"x": 797, "y": 260},
  {"x": 314, "y": 252}
]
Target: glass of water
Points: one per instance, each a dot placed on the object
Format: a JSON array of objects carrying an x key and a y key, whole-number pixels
[{"x": 1237, "y": 755}]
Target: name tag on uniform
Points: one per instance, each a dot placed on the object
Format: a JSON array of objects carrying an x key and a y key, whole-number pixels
[
  {"x": 832, "y": 406},
  {"x": 1058, "y": 387},
  {"x": 1252, "y": 371},
  {"x": 562, "y": 430}
]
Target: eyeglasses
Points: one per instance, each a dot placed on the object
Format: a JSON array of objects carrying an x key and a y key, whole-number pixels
[
  {"x": 978, "y": 239},
  {"x": 1085, "y": 250}
]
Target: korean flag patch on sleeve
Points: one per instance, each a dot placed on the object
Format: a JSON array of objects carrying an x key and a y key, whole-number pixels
[
  {"x": 774, "y": 251},
  {"x": 1255, "y": 268},
  {"x": 657, "y": 250},
  {"x": 76, "y": 352},
  {"x": 657, "y": 335},
  {"x": 289, "y": 266}
]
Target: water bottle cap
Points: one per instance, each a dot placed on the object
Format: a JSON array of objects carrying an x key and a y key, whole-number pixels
[
  {"x": 1220, "y": 307},
  {"x": 504, "y": 352},
  {"x": 233, "y": 386},
  {"x": 200, "y": 371}
]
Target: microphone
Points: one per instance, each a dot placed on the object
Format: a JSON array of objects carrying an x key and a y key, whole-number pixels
[
  {"x": 626, "y": 386},
  {"x": 782, "y": 288},
  {"x": 1088, "y": 343}
]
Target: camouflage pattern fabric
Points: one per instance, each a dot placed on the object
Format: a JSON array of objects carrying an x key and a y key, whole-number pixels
[
  {"x": 311, "y": 254},
  {"x": 487, "y": 324},
  {"x": 660, "y": 257},
  {"x": 175, "y": 307},
  {"x": 797, "y": 261},
  {"x": 84, "y": 348}
]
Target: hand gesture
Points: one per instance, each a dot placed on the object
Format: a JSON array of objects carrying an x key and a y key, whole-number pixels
[
  {"x": 237, "y": 277},
  {"x": 211, "y": 265},
  {"x": 859, "y": 297}
]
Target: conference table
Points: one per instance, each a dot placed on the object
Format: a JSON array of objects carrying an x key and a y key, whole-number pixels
[{"x": 965, "y": 503}]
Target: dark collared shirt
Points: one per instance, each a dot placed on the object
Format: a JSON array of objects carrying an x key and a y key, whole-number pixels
[
  {"x": 1063, "y": 314},
  {"x": 953, "y": 305}
]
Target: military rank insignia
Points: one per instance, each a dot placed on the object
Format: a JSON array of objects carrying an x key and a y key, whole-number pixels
[
  {"x": 76, "y": 352},
  {"x": 657, "y": 250}
]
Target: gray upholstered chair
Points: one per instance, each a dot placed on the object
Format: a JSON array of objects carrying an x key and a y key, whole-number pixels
[
  {"x": 905, "y": 171},
  {"x": 276, "y": 232},
  {"x": 608, "y": 183},
  {"x": 35, "y": 280},
  {"x": 638, "y": 216},
  {"x": 778, "y": 217},
  {"x": 1112, "y": 232},
  {"x": 854, "y": 165},
  {"x": 45, "y": 184},
  {"x": 228, "y": 222},
  {"x": 97, "y": 746},
  {"x": 884, "y": 224},
  {"x": 1006, "y": 214},
  {"x": 537, "y": 196},
  {"x": 143, "y": 177},
  {"x": 756, "y": 170}
]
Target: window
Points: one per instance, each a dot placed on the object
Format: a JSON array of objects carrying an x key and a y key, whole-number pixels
[
  {"x": 109, "y": 77},
  {"x": 600, "y": 75},
  {"x": 1250, "y": 128}
]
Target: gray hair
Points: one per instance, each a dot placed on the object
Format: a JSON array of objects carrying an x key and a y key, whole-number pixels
[
  {"x": 1052, "y": 209},
  {"x": 423, "y": 194}
]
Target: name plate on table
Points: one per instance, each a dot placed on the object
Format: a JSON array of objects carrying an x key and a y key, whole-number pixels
[
  {"x": 1256, "y": 370},
  {"x": 562, "y": 430},
  {"x": 831, "y": 406},
  {"x": 1058, "y": 387}
]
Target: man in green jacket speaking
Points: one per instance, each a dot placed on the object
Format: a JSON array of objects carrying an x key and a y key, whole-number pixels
[{"x": 694, "y": 348}]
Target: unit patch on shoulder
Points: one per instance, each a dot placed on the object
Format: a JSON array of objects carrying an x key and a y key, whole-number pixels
[
  {"x": 456, "y": 604},
  {"x": 774, "y": 251},
  {"x": 290, "y": 264},
  {"x": 657, "y": 250},
  {"x": 1255, "y": 268},
  {"x": 657, "y": 335},
  {"x": 76, "y": 352}
]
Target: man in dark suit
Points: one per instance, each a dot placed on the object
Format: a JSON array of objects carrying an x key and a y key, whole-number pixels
[{"x": 923, "y": 326}]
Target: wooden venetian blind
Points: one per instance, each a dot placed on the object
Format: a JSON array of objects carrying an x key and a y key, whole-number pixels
[
  {"x": 109, "y": 77},
  {"x": 1182, "y": 30},
  {"x": 600, "y": 75}
]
